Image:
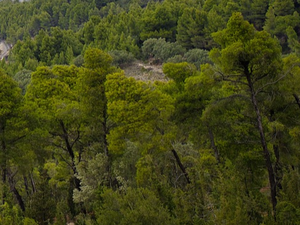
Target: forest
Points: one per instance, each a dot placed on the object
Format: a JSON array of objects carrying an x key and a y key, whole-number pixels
[{"x": 215, "y": 141}]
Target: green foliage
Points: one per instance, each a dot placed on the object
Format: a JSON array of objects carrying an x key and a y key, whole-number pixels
[
  {"x": 242, "y": 44},
  {"x": 194, "y": 56},
  {"x": 258, "y": 13},
  {"x": 161, "y": 50},
  {"x": 293, "y": 40},
  {"x": 139, "y": 112},
  {"x": 42, "y": 205},
  {"x": 158, "y": 21},
  {"x": 93, "y": 174},
  {"x": 127, "y": 162},
  {"x": 235, "y": 206},
  {"x": 135, "y": 206},
  {"x": 29, "y": 221},
  {"x": 95, "y": 58},
  {"x": 10, "y": 97},
  {"x": 23, "y": 78},
  {"x": 88, "y": 144},
  {"x": 252, "y": 64},
  {"x": 290, "y": 186},
  {"x": 280, "y": 16},
  {"x": 121, "y": 58},
  {"x": 283, "y": 8},
  {"x": 179, "y": 72},
  {"x": 191, "y": 29},
  {"x": 287, "y": 213},
  {"x": 93, "y": 103},
  {"x": 10, "y": 215},
  {"x": 78, "y": 61}
]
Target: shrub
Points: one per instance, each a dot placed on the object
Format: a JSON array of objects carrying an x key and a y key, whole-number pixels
[
  {"x": 121, "y": 57},
  {"x": 161, "y": 50},
  {"x": 195, "y": 56}
]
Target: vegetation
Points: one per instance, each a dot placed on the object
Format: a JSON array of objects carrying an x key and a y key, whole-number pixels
[{"x": 216, "y": 142}]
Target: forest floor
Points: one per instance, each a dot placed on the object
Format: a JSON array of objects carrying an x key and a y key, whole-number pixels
[{"x": 145, "y": 71}]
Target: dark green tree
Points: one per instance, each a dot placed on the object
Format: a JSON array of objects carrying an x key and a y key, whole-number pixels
[{"x": 251, "y": 60}]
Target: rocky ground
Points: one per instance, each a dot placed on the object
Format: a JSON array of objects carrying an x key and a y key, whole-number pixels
[
  {"x": 4, "y": 49},
  {"x": 145, "y": 71}
]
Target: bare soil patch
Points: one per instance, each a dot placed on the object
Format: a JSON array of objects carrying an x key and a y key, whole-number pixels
[{"x": 145, "y": 71}]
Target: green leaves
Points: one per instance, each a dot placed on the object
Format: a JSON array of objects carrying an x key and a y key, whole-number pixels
[
  {"x": 95, "y": 59},
  {"x": 243, "y": 48},
  {"x": 137, "y": 109},
  {"x": 179, "y": 71},
  {"x": 191, "y": 28},
  {"x": 10, "y": 96},
  {"x": 49, "y": 91},
  {"x": 237, "y": 30},
  {"x": 136, "y": 206}
]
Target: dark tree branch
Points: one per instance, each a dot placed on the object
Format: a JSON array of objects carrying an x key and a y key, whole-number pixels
[
  {"x": 212, "y": 143},
  {"x": 66, "y": 161},
  {"x": 231, "y": 97},
  {"x": 14, "y": 190},
  {"x": 76, "y": 139},
  {"x": 66, "y": 139},
  {"x": 181, "y": 166},
  {"x": 17, "y": 139},
  {"x": 59, "y": 146},
  {"x": 32, "y": 183},
  {"x": 297, "y": 99}
]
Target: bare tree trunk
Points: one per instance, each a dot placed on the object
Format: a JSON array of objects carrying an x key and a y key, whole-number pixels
[
  {"x": 3, "y": 159},
  {"x": 26, "y": 185},
  {"x": 71, "y": 154},
  {"x": 263, "y": 141},
  {"x": 181, "y": 166},
  {"x": 297, "y": 99},
  {"x": 213, "y": 145},
  {"x": 105, "y": 131},
  {"x": 32, "y": 183},
  {"x": 277, "y": 168},
  {"x": 14, "y": 190}
]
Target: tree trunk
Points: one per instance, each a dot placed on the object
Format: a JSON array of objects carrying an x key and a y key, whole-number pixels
[
  {"x": 213, "y": 145},
  {"x": 14, "y": 190},
  {"x": 105, "y": 131},
  {"x": 26, "y": 185},
  {"x": 32, "y": 183},
  {"x": 181, "y": 166},
  {"x": 277, "y": 168},
  {"x": 3, "y": 160},
  {"x": 297, "y": 99},
  {"x": 266, "y": 152},
  {"x": 72, "y": 155}
]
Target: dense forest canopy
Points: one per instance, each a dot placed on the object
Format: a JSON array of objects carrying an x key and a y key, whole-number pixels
[{"x": 214, "y": 141}]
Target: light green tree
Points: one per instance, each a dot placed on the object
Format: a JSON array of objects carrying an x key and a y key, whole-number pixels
[{"x": 52, "y": 96}]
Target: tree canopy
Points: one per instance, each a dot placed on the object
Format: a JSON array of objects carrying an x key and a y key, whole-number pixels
[{"x": 214, "y": 140}]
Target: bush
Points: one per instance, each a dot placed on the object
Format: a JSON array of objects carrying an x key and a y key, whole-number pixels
[
  {"x": 195, "y": 56},
  {"x": 23, "y": 78},
  {"x": 147, "y": 48},
  {"x": 137, "y": 206},
  {"x": 121, "y": 57},
  {"x": 176, "y": 59},
  {"x": 161, "y": 50},
  {"x": 78, "y": 61}
]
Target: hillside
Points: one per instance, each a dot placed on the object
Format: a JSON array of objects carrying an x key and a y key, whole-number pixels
[{"x": 175, "y": 112}]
